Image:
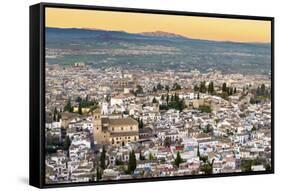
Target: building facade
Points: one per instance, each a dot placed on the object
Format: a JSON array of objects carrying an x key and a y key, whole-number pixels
[{"x": 114, "y": 131}]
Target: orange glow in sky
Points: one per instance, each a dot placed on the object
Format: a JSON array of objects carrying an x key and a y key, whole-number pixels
[{"x": 238, "y": 30}]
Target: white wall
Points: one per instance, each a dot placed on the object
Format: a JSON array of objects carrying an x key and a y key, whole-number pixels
[{"x": 14, "y": 69}]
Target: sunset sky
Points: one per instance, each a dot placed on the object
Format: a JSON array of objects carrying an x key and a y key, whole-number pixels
[{"x": 237, "y": 30}]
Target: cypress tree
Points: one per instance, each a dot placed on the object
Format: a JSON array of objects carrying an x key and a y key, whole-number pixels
[{"x": 102, "y": 158}]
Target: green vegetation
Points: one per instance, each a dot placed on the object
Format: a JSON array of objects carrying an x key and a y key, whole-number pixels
[
  {"x": 159, "y": 86},
  {"x": 56, "y": 115},
  {"x": 139, "y": 90},
  {"x": 167, "y": 142},
  {"x": 260, "y": 94},
  {"x": 202, "y": 87},
  {"x": 211, "y": 89},
  {"x": 208, "y": 129},
  {"x": 52, "y": 144},
  {"x": 205, "y": 108},
  {"x": 66, "y": 143},
  {"x": 119, "y": 162},
  {"x": 154, "y": 100},
  {"x": 174, "y": 103},
  {"x": 132, "y": 164},
  {"x": 178, "y": 160},
  {"x": 82, "y": 103},
  {"x": 88, "y": 104},
  {"x": 176, "y": 86},
  {"x": 227, "y": 91},
  {"x": 68, "y": 106},
  {"x": 207, "y": 168},
  {"x": 103, "y": 158},
  {"x": 140, "y": 122},
  {"x": 246, "y": 164},
  {"x": 98, "y": 174},
  {"x": 204, "y": 158},
  {"x": 150, "y": 156}
]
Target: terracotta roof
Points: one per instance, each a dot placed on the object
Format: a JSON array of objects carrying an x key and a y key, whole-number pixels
[
  {"x": 121, "y": 134},
  {"x": 123, "y": 121}
]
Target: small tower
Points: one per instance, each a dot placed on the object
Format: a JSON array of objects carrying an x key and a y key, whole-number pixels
[{"x": 97, "y": 126}]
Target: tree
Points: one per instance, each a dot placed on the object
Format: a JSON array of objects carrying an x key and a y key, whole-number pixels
[
  {"x": 102, "y": 158},
  {"x": 204, "y": 158},
  {"x": 252, "y": 100},
  {"x": 55, "y": 114},
  {"x": 172, "y": 98},
  {"x": 198, "y": 95},
  {"x": 167, "y": 88},
  {"x": 178, "y": 159},
  {"x": 208, "y": 129},
  {"x": 159, "y": 86},
  {"x": 176, "y": 86},
  {"x": 132, "y": 164},
  {"x": 254, "y": 128},
  {"x": 68, "y": 106},
  {"x": 162, "y": 97},
  {"x": 150, "y": 156},
  {"x": 80, "y": 109},
  {"x": 202, "y": 87},
  {"x": 181, "y": 105},
  {"x": 268, "y": 167},
  {"x": 154, "y": 89},
  {"x": 140, "y": 124},
  {"x": 58, "y": 117},
  {"x": 98, "y": 174},
  {"x": 107, "y": 98},
  {"x": 224, "y": 87},
  {"x": 262, "y": 89},
  {"x": 167, "y": 142},
  {"x": 196, "y": 88},
  {"x": 211, "y": 88},
  {"x": 176, "y": 97},
  {"x": 66, "y": 143},
  {"x": 207, "y": 168},
  {"x": 167, "y": 98},
  {"x": 142, "y": 157},
  {"x": 139, "y": 90},
  {"x": 78, "y": 99},
  {"x": 246, "y": 165},
  {"x": 154, "y": 100}
]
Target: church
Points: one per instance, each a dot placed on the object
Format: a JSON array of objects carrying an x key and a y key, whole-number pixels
[{"x": 112, "y": 130}]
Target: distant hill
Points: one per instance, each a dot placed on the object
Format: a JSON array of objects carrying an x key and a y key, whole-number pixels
[
  {"x": 163, "y": 34},
  {"x": 156, "y": 50}
]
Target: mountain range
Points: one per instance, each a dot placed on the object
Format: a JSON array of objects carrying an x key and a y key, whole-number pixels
[{"x": 156, "y": 50}]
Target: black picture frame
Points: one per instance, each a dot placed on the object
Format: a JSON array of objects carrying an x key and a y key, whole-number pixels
[{"x": 37, "y": 92}]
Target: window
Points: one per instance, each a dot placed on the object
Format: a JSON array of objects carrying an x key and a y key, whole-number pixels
[
  {"x": 121, "y": 128},
  {"x": 112, "y": 128},
  {"x": 131, "y": 128}
]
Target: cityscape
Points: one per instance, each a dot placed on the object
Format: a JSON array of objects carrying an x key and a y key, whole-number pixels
[{"x": 123, "y": 106}]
